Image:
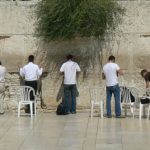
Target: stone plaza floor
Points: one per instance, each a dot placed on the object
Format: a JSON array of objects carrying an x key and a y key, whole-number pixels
[{"x": 72, "y": 132}]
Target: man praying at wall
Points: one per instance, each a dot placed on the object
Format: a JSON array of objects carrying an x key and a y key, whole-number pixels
[
  {"x": 111, "y": 70},
  {"x": 31, "y": 72},
  {"x": 70, "y": 69}
]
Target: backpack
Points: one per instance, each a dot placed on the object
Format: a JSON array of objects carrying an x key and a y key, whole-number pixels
[{"x": 61, "y": 109}]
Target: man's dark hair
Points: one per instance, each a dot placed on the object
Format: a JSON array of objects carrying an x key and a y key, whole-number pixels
[
  {"x": 0, "y": 63},
  {"x": 143, "y": 72},
  {"x": 31, "y": 58},
  {"x": 111, "y": 58},
  {"x": 69, "y": 57}
]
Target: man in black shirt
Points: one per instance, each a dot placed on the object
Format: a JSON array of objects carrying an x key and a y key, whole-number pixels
[{"x": 146, "y": 75}]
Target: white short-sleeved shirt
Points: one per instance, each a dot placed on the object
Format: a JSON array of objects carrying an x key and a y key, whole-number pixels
[
  {"x": 31, "y": 72},
  {"x": 2, "y": 73},
  {"x": 110, "y": 72},
  {"x": 70, "y": 68}
]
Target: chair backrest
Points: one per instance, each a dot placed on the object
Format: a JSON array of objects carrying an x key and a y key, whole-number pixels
[
  {"x": 97, "y": 93},
  {"x": 128, "y": 94},
  {"x": 135, "y": 92},
  {"x": 25, "y": 93},
  {"x": 124, "y": 94}
]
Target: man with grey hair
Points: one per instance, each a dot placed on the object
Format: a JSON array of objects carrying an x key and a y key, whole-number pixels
[{"x": 2, "y": 87}]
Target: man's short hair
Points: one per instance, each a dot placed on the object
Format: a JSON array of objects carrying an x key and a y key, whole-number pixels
[
  {"x": 31, "y": 58},
  {"x": 111, "y": 58},
  {"x": 69, "y": 57},
  {"x": 143, "y": 72}
]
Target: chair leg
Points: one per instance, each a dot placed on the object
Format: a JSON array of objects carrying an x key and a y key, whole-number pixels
[
  {"x": 140, "y": 112},
  {"x": 92, "y": 105},
  {"x": 35, "y": 109},
  {"x": 19, "y": 110},
  {"x": 121, "y": 106},
  {"x": 133, "y": 111},
  {"x": 132, "y": 108},
  {"x": 125, "y": 109},
  {"x": 31, "y": 109},
  {"x": 148, "y": 111},
  {"x": 101, "y": 109}
]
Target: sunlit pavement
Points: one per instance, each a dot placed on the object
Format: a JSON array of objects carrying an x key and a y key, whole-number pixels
[{"x": 72, "y": 132}]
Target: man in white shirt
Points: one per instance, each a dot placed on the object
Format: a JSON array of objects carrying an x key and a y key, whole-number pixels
[
  {"x": 2, "y": 87},
  {"x": 70, "y": 69},
  {"x": 31, "y": 72},
  {"x": 110, "y": 73}
]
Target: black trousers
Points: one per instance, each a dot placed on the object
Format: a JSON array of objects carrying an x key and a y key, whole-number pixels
[{"x": 32, "y": 84}]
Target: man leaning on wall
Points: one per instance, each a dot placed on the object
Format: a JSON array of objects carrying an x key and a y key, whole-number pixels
[{"x": 2, "y": 87}]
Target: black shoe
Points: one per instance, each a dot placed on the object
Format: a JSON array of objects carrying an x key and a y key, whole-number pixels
[
  {"x": 107, "y": 116},
  {"x": 67, "y": 113},
  {"x": 73, "y": 112},
  {"x": 2, "y": 113},
  {"x": 120, "y": 116}
]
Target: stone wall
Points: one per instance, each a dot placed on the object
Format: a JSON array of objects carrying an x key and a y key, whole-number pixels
[{"x": 130, "y": 45}]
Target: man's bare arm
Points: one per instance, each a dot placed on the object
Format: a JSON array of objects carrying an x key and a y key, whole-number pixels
[{"x": 120, "y": 72}]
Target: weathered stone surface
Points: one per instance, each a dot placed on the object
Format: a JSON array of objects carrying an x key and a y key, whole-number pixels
[{"x": 130, "y": 45}]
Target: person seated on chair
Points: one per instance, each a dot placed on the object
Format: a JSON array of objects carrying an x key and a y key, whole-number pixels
[
  {"x": 31, "y": 72},
  {"x": 2, "y": 87},
  {"x": 146, "y": 75}
]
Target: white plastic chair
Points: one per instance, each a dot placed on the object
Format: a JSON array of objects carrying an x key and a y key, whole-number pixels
[
  {"x": 147, "y": 95},
  {"x": 148, "y": 110},
  {"x": 96, "y": 95},
  {"x": 136, "y": 94},
  {"x": 126, "y": 98},
  {"x": 23, "y": 93}
]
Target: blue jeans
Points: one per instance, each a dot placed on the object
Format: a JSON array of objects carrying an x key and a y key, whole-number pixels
[
  {"x": 70, "y": 97},
  {"x": 115, "y": 90}
]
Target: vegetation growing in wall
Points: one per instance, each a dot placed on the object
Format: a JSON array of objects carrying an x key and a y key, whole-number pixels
[{"x": 66, "y": 19}]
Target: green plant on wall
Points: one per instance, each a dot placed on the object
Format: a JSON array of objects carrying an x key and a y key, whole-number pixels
[{"x": 67, "y": 19}]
